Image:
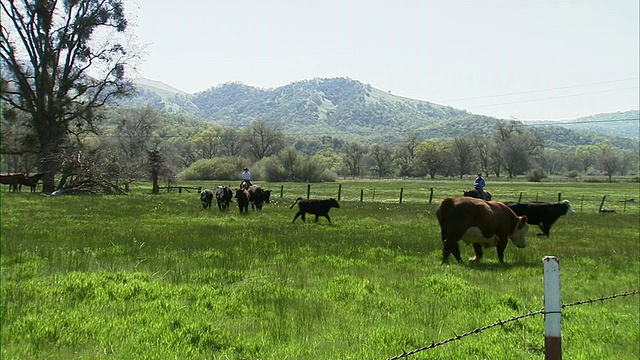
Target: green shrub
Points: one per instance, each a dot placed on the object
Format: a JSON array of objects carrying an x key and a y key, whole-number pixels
[
  {"x": 222, "y": 168},
  {"x": 536, "y": 175}
]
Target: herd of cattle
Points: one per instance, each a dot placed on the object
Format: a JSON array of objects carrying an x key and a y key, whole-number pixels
[
  {"x": 478, "y": 222},
  {"x": 475, "y": 221},
  {"x": 257, "y": 196}
]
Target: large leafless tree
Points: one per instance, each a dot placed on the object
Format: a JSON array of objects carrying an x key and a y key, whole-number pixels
[{"x": 61, "y": 62}]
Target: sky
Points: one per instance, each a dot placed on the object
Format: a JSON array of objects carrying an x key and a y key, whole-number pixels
[{"x": 510, "y": 59}]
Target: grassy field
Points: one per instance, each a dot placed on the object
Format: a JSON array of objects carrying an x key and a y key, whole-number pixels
[{"x": 156, "y": 277}]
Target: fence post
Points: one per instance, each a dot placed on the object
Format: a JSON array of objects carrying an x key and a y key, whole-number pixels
[
  {"x": 281, "y": 191},
  {"x": 520, "y": 198},
  {"x": 401, "y": 189},
  {"x": 559, "y": 197},
  {"x": 308, "y": 190},
  {"x": 430, "y": 195},
  {"x": 361, "y": 194},
  {"x": 602, "y": 203},
  {"x": 552, "y": 309},
  {"x": 339, "y": 191}
]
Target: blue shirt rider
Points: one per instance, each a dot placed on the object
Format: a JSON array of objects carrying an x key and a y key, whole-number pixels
[
  {"x": 246, "y": 177},
  {"x": 479, "y": 185}
]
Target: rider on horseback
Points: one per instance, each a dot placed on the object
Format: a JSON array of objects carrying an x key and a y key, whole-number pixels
[
  {"x": 246, "y": 178},
  {"x": 479, "y": 185}
]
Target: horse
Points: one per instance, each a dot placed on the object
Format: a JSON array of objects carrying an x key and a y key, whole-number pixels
[
  {"x": 224, "y": 194},
  {"x": 14, "y": 181},
  {"x": 245, "y": 184},
  {"x": 475, "y": 194}
]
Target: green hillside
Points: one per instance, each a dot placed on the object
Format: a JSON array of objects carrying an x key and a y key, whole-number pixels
[{"x": 349, "y": 109}]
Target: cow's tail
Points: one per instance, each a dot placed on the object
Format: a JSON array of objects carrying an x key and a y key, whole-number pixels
[{"x": 295, "y": 202}]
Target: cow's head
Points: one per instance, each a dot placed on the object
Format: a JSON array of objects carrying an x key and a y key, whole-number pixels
[
  {"x": 569, "y": 210},
  {"x": 334, "y": 203},
  {"x": 241, "y": 193},
  {"x": 267, "y": 196},
  {"x": 519, "y": 235},
  {"x": 203, "y": 195}
]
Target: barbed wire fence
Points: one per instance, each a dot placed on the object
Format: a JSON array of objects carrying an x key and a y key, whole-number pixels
[{"x": 406, "y": 354}]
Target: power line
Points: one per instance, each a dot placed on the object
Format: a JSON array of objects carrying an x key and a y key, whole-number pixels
[
  {"x": 552, "y": 98},
  {"x": 569, "y": 122},
  {"x": 542, "y": 90}
]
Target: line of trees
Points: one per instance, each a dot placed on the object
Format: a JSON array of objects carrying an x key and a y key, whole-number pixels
[
  {"x": 130, "y": 145},
  {"x": 63, "y": 64}
]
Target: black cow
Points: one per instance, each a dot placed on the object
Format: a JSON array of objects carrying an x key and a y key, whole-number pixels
[
  {"x": 206, "y": 197},
  {"x": 242, "y": 197},
  {"x": 258, "y": 196},
  {"x": 316, "y": 207},
  {"x": 224, "y": 194},
  {"x": 542, "y": 214}
]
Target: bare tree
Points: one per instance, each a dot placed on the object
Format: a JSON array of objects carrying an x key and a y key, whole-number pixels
[
  {"x": 230, "y": 144},
  {"x": 514, "y": 146},
  {"x": 353, "y": 154},
  {"x": 463, "y": 155},
  {"x": 55, "y": 70},
  {"x": 608, "y": 159},
  {"x": 263, "y": 139},
  {"x": 431, "y": 158},
  {"x": 381, "y": 158}
]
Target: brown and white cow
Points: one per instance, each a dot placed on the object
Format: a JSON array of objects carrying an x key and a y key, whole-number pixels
[
  {"x": 480, "y": 223},
  {"x": 206, "y": 197}
]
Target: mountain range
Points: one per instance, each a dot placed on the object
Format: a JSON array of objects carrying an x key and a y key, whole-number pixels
[{"x": 342, "y": 107}]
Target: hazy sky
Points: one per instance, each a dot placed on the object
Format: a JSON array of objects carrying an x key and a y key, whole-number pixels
[{"x": 523, "y": 59}]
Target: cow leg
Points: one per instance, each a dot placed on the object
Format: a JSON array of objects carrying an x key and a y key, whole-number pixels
[
  {"x": 477, "y": 249},
  {"x": 450, "y": 247},
  {"x": 298, "y": 214},
  {"x": 328, "y": 218},
  {"x": 502, "y": 244},
  {"x": 545, "y": 229},
  {"x": 455, "y": 250},
  {"x": 446, "y": 251}
]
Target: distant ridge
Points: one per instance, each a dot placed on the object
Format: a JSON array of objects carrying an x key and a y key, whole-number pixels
[
  {"x": 158, "y": 85},
  {"x": 349, "y": 109}
]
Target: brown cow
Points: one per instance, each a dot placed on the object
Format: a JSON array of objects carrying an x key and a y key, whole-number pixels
[
  {"x": 242, "y": 197},
  {"x": 206, "y": 197},
  {"x": 258, "y": 196},
  {"x": 481, "y": 223},
  {"x": 14, "y": 181},
  {"x": 316, "y": 207},
  {"x": 32, "y": 181}
]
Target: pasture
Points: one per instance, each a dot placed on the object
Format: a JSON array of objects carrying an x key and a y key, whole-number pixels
[{"x": 157, "y": 276}]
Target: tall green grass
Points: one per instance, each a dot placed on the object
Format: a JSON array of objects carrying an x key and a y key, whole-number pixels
[{"x": 157, "y": 277}]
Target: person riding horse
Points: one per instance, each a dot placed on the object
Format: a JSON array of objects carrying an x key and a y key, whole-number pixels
[
  {"x": 246, "y": 179},
  {"x": 479, "y": 183}
]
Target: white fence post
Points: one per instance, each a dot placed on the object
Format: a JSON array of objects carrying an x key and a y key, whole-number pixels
[{"x": 552, "y": 309}]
